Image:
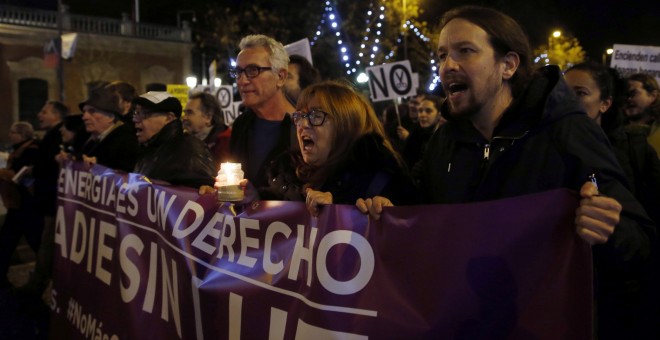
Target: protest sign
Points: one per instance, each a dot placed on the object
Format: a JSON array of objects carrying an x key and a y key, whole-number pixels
[
  {"x": 391, "y": 81},
  {"x": 179, "y": 91},
  {"x": 631, "y": 59},
  {"x": 301, "y": 48}
]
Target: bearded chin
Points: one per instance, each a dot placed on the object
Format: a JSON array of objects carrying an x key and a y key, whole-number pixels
[{"x": 467, "y": 111}]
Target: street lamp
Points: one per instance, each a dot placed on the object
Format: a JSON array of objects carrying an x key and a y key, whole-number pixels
[
  {"x": 608, "y": 52},
  {"x": 555, "y": 34},
  {"x": 191, "y": 81},
  {"x": 362, "y": 78}
]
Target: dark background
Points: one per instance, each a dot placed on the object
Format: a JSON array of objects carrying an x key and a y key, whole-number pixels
[{"x": 597, "y": 24}]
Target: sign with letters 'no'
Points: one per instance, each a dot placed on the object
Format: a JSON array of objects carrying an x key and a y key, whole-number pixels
[
  {"x": 390, "y": 81},
  {"x": 229, "y": 107}
]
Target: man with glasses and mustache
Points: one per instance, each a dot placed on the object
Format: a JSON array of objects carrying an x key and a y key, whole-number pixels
[
  {"x": 167, "y": 153},
  {"x": 264, "y": 130}
]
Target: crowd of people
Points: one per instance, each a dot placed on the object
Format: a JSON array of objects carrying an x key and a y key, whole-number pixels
[{"x": 502, "y": 128}]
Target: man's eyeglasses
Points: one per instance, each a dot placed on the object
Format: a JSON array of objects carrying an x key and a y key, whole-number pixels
[
  {"x": 315, "y": 117},
  {"x": 250, "y": 71}
]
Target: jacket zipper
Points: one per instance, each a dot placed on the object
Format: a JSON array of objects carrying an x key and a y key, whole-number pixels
[{"x": 487, "y": 145}]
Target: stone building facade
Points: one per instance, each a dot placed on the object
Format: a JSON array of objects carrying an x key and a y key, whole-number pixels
[{"x": 107, "y": 50}]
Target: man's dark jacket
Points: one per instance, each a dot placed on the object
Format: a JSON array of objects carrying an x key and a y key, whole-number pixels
[
  {"x": 177, "y": 158},
  {"x": 118, "y": 150},
  {"x": 543, "y": 141},
  {"x": 239, "y": 144},
  {"x": 46, "y": 171}
]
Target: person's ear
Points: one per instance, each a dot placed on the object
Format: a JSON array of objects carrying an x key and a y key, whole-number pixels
[
  {"x": 510, "y": 63},
  {"x": 605, "y": 105},
  {"x": 281, "y": 77},
  {"x": 170, "y": 117},
  {"x": 655, "y": 94}
]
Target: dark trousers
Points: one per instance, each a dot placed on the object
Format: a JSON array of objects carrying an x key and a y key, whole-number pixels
[{"x": 24, "y": 221}]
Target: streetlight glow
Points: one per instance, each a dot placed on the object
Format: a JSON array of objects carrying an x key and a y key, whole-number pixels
[
  {"x": 556, "y": 34},
  {"x": 191, "y": 81},
  {"x": 610, "y": 51}
]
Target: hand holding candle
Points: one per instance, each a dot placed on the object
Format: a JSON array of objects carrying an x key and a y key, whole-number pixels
[{"x": 227, "y": 182}]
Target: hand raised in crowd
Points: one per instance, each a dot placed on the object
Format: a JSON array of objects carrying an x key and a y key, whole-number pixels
[
  {"x": 402, "y": 132},
  {"x": 597, "y": 216},
  {"x": 315, "y": 199},
  {"x": 373, "y": 206}
]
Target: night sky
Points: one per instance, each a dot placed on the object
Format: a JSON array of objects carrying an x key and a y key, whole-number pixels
[{"x": 597, "y": 24}]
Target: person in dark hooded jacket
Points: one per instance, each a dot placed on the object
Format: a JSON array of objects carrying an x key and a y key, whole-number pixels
[
  {"x": 599, "y": 89},
  {"x": 167, "y": 153},
  {"x": 344, "y": 154},
  {"x": 511, "y": 131}
]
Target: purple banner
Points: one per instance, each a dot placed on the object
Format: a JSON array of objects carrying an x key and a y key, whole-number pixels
[{"x": 136, "y": 260}]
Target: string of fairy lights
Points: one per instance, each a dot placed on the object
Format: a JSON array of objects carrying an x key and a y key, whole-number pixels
[{"x": 370, "y": 47}]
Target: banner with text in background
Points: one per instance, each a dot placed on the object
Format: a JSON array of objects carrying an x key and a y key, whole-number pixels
[
  {"x": 631, "y": 59},
  {"x": 137, "y": 260}
]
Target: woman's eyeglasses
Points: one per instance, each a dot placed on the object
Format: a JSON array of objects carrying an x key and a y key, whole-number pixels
[{"x": 315, "y": 117}]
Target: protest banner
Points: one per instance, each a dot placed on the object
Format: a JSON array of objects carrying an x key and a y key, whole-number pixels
[
  {"x": 631, "y": 59},
  {"x": 136, "y": 260}
]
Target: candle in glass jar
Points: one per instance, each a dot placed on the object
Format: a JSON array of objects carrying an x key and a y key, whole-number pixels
[{"x": 229, "y": 176}]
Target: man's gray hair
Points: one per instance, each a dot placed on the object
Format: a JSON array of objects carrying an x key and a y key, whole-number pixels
[{"x": 279, "y": 58}]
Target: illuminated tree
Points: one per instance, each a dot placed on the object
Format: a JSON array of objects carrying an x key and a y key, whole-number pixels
[
  {"x": 291, "y": 20},
  {"x": 563, "y": 51}
]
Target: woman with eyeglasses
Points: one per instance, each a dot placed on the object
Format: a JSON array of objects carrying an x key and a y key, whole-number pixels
[{"x": 344, "y": 154}]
